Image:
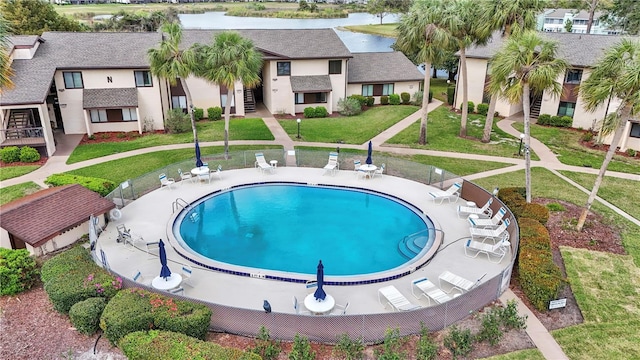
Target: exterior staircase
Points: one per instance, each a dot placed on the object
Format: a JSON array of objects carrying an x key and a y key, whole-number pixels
[
  {"x": 17, "y": 121},
  {"x": 535, "y": 107},
  {"x": 249, "y": 101}
]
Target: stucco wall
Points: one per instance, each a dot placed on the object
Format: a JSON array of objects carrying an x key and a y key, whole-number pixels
[{"x": 476, "y": 73}]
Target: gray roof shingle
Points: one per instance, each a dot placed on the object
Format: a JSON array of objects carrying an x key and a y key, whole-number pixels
[
  {"x": 311, "y": 83},
  {"x": 23, "y": 40},
  {"x": 109, "y": 98},
  {"x": 382, "y": 67},
  {"x": 582, "y": 14}
]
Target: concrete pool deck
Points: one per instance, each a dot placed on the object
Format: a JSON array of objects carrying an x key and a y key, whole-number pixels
[{"x": 147, "y": 218}]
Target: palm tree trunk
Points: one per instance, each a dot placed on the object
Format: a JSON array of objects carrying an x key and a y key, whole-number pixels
[
  {"x": 592, "y": 11},
  {"x": 425, "y": 105},
  {"x": 526, "y": 107},
  {"x": 603, "y": 169},
  {"x": 488, "y": 123},
  {"x": 227, "y": 116},
  {"x": 465, "y": 91},
  {"x": 190, "y": 108}
]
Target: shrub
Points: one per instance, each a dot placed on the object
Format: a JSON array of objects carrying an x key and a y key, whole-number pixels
[
  {"x": 309, "y": 112},
  {"x": 406, "y": 97},
  {"x": 301, "y": 349},
  {"x": 214, "y": 113},
  {"x": 588, "y": 136},
  {"x": 349, "y": 106},
  {"x": 540, "y": 279},
  {"x": 72, "y": 276},
  {"x": 85, "y": 315},
  {"x": 384, "y": 100},
  {"x": 544, "y": 119},
  {"x": 177, "y": 122},
  {"x": 137, "y": 310},
  {"x": 348, "y": 348},
  {"x": 394, "y": 99},
  {"x": 510, "y": 318},
  {"x": 321, "y": 112},
  {"x": 631, "y": 152},
  {"x": 427, "y": 349},
  {"x": 198, "y": 113},
  {"x": 535, "y": 211},
  {"x": 417, "y": 98},
  {"x": 10, "y": 154},
  {"x": 101, "y": 186},
  {"x": 490, "y": 330},
  {"x": 267, "y": 348},
  {"x": 392, "y": 346},
  {"x": 18, "y": 271},
  {"x": 459, "y": 342},
  {"x": 167, "y": 345},
  {"x": 430, "y": 95},
  {"x": 29, "y": 154},
  {"x": 483, "y": 109},
  {"x": 370, "y": 101},
  {"x": 565, "y": 121},
  {"x": 451, "y": 94},
  {"x": 470, "y": 107},
  {"x": 361, "y": 99}
]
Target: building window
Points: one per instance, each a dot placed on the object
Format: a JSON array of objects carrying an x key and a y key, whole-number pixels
[
  {"x": 635, "y": 130},
  {"x": 335, "y": 66},
  {"x": 179, "y": 102},
  {"x": 284, "y": 68},
  {"x": 566, "y": 108},
  {"x": 72, "y": 80},
  {"x": 387, "y": 89},
  {"x": 311, "y": 98},
  {"x": 223, "y": 100},
  {"x": 143, "y": 78},
  {"x": 129, "y": 114},
  {"x": 98, "y": 116},
  {"x": 377, "y": 89},
  {"x": 367, "y": 90},
  {"x": 573, "y": 76}
]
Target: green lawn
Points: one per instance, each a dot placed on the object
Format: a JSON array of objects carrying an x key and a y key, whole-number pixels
[
  {"x": 566, "y": 144},
  {"x": 239, "y": 129},
  {"x": 622, "y": 193},
  {"x": 439, "y": 89},
  {"x": 105, "y": 9},
  {"x": 386, "y": 30},
  {"x": 10, "y": 193},
  {"x": 9, "y": 172},
  {"x": 442, "y": 134},
  {"x": 349, "y": 130},
  {"x": 529, "y": 354}
]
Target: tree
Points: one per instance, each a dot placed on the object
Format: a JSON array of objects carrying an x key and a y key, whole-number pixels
[
  {"x": 418, "y": 34},
  {"x": 33, "y": 17},
  {"x": 510, "y": 17},
  {"x": 5, "y": 61},
  {"x": 624, "y": 14},
  {"x": 381, "y": 8},
  {"x": 169, "y": 62},
  {"x": 615, "y": 75},
  {"x": 229, "y": 59},
  {"x": 525, "y": 64}
]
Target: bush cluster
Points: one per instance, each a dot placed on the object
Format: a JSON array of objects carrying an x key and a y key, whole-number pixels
[
  {"x": 301, "y": 349},
  {"x": 101, "y": 186},
  {"x": 539, "y": 276},
  {"x": 370, "y": 101},
  {"x": 266, "y": 347},
  {"x": 394, "y": 99},
  {"x": 177, "y": 122},
  {"x": 451, "y": 94},
  {"x": 362, "y": 100},
  {"x": 18, "y": 271},
  {"x": 348, "y": 348},
  {"x": 72, "y": 276},
  {"x": 29, "y": 154},
  {"x": 167, "y": 345},
  {"x": 559, "y": 121},
  {"x": 198, "y": 113},
  {"x": 349, "y": 106},
  {"x": 499, "y": 319},
  {"x": 85, "y": 315},
  {"x": 483, "y": 109},
  {"x": 470, "y": 107},
  {"x": 317, "y": 112},
  {"x": 138, "y": 310},
  {"x": 12, "y": 154},
  {"x": 214, "y": 113},
  {"x": 406, "y": 98},
  {"x": 384, "y": 100}
]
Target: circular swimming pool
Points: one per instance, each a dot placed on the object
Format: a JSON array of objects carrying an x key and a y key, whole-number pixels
[{"x": 287, "y": 228}]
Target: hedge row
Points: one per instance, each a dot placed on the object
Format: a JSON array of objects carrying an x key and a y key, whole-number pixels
[
  {"x": 26, "y": 154},
  {"x": 101, "y": 186},
  {"x": 166, "y": 345},
  {"x": 138, "y": 310},
  {"x": 559, "y": 121},
  {"x": 540, "y": 278},
  {"x": 72, "y": 276},
  {"x": 18, "y": 271}
]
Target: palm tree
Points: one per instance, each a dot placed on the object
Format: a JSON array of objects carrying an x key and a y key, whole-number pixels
[
  {"x": 229, "y": 59},
  {"x": 526, "y": 64},
  {"x": 615, "y": 75},
  {"x": 511, "y": 17},
  {"x": 418, "y": 34},
  {"x": 170, "y": 62},
  {"x": 5, "y": 62}
]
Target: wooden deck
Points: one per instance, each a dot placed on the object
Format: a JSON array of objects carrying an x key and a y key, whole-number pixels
[{"x": 26, "y": 141}]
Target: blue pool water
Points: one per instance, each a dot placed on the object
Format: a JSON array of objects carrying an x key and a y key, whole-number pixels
[{"x": 290, "y": 227}]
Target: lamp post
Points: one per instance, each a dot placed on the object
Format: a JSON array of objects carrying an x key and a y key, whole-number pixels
[
  {"x": 520, "y": 146},
  {"x": 298, "y": 121}
]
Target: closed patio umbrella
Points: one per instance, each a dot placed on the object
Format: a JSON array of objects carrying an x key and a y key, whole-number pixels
[
  {"x": 198, "y": 160},
  {"x": 320, "y": 294},
  {"x": 164, "y": 271},
  {"x": 369, "y": 161}
]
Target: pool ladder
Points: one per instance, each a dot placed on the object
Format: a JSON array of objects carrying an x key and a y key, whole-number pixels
[{"x": 180, "y": 203}]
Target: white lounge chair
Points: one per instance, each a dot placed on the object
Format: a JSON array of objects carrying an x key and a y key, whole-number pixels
[
  {"x": 494, "y": 234},
  {"x": 340, "y": 309},
  {"x": 378, "y": 171},
  {"x": 140, "y": 279},
  {"x": 430, "y": 291},
  {"x": 455, "y": 281},
  {"x": 488, "y": 223},
  {"x": 395, "y": 299},
  {"x": 332, "y": 165},
  {"x": 296, "y": 307},
  {"x": 186, "y": 271},
  {"x": 452, "y": 192},
  {"x": 484, "y": 212},
  {"x": 311, "y": 285},
  {"x": 153, "y": 247},
  {"x": 165, "y": 181},
  {"x": 178, "y": 290},
  {"x": 496, "y": 251},
  {"x": 262, "y": 163},
  {"x": 184, "y": 176},
  {"x": 217, "y": 172}
]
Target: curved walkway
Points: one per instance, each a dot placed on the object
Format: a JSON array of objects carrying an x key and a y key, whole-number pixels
[{"x": 539, "y": 335}]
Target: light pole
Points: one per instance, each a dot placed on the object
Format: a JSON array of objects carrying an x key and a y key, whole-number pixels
[
  {"x": 520, "y": 147},
  {"x": 298, "y": 121}
]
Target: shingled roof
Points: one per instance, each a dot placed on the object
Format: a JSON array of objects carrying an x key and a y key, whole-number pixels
[
  {"x": 109, "y": 98},
  {"x": 382, "y": 67},
  {"x": 39, "y": 217},
  {"x": 311, "y": 83}
]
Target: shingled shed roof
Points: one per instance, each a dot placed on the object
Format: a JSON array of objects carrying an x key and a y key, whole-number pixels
[{"x": 39, "y": 217}]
